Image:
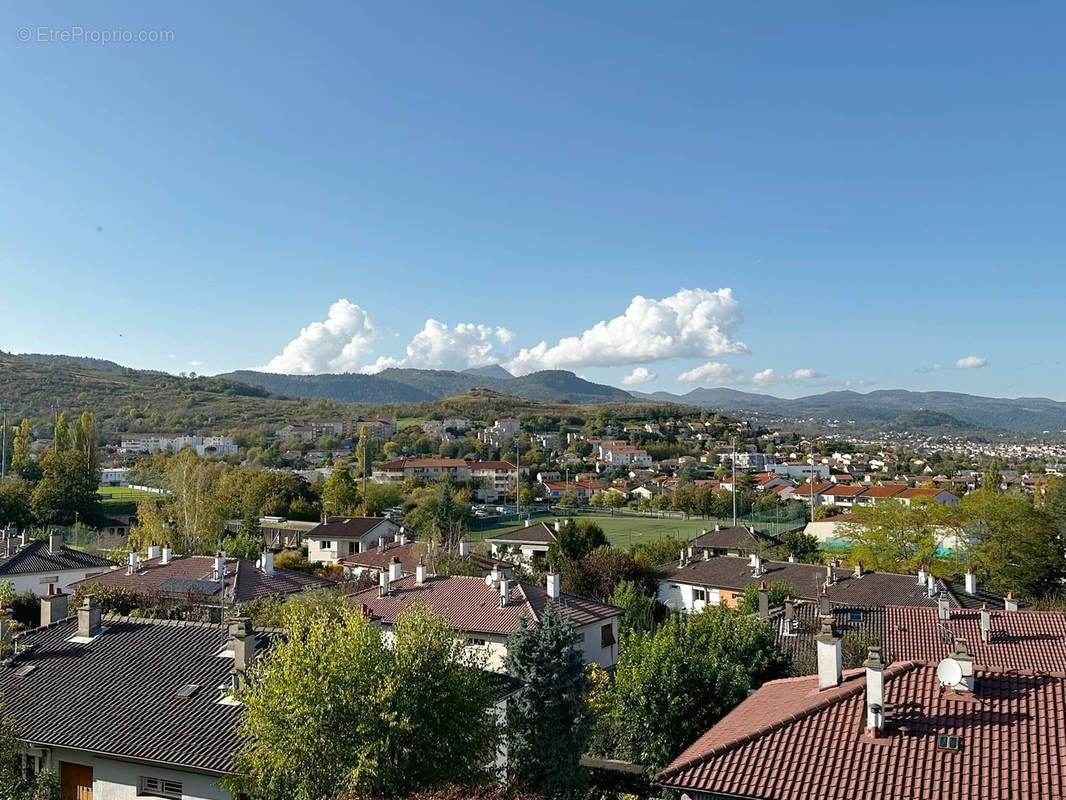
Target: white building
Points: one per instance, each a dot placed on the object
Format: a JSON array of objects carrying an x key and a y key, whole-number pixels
[{"x": 46, "y": 566}]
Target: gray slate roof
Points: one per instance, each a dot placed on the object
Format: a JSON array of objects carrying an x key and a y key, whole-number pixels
[
  {"x": 117, "y": 693},
  {"x": 539, "y": 533},
  {"x": 35, "y": 557}
]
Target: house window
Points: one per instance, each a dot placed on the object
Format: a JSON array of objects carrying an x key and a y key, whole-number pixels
[
  {"x": 607, "y": 635},
  {"x": 50, "y": 579},
  {"x": 158, "y": 787},
  {"x": 476, "y": 642},
  {"x": 325, "y": 544},
  {"x": 699, "y": 596}
]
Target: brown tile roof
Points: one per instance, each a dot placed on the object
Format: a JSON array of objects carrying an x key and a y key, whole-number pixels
[
  {"x": 347, "y": 527},
  {"x": 1019, "y": 639},
  {"x": 731, "y": 538},
  {"x": 506, "y": 466},
  {"x": 470, "y": 604},
  {"x": 789, "y": 741},
  {"x": 872, "y": 590},
  {"x": 414, "y": 463},
  {"x": 539, "y": 533},
  {"x": 186, "y": 575},
  {"x": 378, "y": 560}
]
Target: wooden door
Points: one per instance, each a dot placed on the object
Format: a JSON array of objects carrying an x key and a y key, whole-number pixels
[{"x": 75, "y": 781}]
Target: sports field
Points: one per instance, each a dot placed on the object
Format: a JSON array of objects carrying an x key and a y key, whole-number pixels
[
  {"x": 622, "y": 531},
  {"x": 122, "y": 494}
]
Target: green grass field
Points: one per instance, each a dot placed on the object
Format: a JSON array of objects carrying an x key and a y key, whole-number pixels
[
  {"x": 121, "y": 494},
  {"x": 621, "y": 531}
]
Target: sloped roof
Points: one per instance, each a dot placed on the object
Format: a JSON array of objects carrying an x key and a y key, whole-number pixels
[
  {"x": 872, "y": 590},
  {"x": 244, "y": 581},
  {"x": 470, "y": 604},
  {"x": 789, "y": 741},
  {"x": 347, "y": 527},
  {"x": 733, "y": 537},
  {"x": 35, "y": 557},
  {"x": 1018, "y": 639},
  {"x": 116, "y": 695},
  {"x": 379, "y": 560},
  {"x": 539, "y": 533}
]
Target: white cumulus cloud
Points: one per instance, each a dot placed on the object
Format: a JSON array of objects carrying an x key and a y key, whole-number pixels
[
  {"x": 712, "y": 371},
  {"x": 970, "y": 362},
  {"x": 691, "y": 323},
  {"x": 639, "y": 375},
  {"x": 766, "y": 376},
  {"x": 337, "y": 344}
]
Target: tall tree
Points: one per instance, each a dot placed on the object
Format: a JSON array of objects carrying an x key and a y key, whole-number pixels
[
  {"x": 85, "y": 442},
  {"x": 65, "y": 493},
  {"x": 991, "y": 479},
  {"x": 675, "y": 682},
  {"x": 22, "y": 462},
  {"x": 340, "y": 495},
  {"x": 548, "y": 720},
  {"x": 1012, "y": 545},
  {"x": 893, "y": 536},
  {"x": 330, "y": 709},
  {"x": 61, "y": 435}
]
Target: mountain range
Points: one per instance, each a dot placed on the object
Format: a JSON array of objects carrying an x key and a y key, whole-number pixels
[
  {"x": 423, "y": 385},
  {"x": 33, "y": 383},
  {"x": 1025, "y": 414}
]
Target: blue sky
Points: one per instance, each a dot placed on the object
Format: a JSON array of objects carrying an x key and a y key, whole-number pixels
[{"x": 881, "y": 190}]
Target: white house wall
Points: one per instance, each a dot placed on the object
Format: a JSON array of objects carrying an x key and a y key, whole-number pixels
[{"x": 120, "y": 780}]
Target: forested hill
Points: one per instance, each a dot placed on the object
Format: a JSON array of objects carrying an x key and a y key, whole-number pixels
[
  {"x": 138, "y": 401},
  {"x": 421, "y": 385}
]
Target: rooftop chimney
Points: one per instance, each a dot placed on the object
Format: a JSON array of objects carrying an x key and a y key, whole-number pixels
[
  {"x": 464, "y": 549},
  {"x": 23, "y": 539},
  {"x": 764, "y": 601},
  {"x": 791, "y": 558},
  {"x": 88, "y": 617},
  {"x": 166, "y": 555},
  {"x": 965, "y": 660},
  {"x": 875, "y": 692},
  {"x": 267, "y": 561},
  {"x": 858, "y": 569},
  {"x": 943, "y": 606},
  {"x": 921, "y": 575},
  {"x": 830, "y": 660},
  {"x": 134, "y": 563},
  {"x": 552, "y": 581},
  {"x": 55, "y": 542},
  {"x": 505, "y": 591},
  {"x": 1009, "y": 603},
  {"x": 930, "y": 583},
  {"x": 242, "y": 641},
  {"x": 557, "y": 526},
  {"x": 219, "y": 571},
  {"x": 756, "y": 563},
  {"x": 830, "y": 577},
  {"x": 986, "y": 623},
  {"x": 383, "y": 583},
  {"x": 153, "y": 550},
  {"x": 395, "y": 569},
  {"x": 717, "y": 527},
  {"x": 790, "y": 608},
  {"x": 971, "y": 582},
  {"x": 420, "y": 572},
  {"x": 381, "y": 544},
  {"x": 402, "y": 538},
  {"x": 824, "y": 609},
  {"x": 681, "y": 559},
  {"x": 54, "y": 607}
]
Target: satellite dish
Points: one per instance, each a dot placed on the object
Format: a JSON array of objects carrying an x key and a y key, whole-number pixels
[{"x": 949, "y": 672}]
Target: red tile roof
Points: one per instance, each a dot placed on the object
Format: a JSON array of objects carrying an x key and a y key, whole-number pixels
[
  {"x": 401, "y": 464},
  {"x": 889, "y": 490},
  {"x": 472, "y": 605},
  {"x": 1019, "y": 639},
  {"x": 843, "y": 490},
  {"x": 921, "y": 491},
  {"x": 791, "y": 742},
  {"x": 380, "y": 560}
]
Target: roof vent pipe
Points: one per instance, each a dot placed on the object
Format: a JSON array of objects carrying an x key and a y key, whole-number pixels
[
  {"x": 986, "y": 623},
  {"x": 875, "y": 692}
]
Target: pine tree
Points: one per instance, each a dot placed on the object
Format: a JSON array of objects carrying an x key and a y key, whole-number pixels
[{"x": 548, "y": 720}]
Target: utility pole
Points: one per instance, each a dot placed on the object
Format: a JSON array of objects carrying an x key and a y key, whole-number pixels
[
  {"x": 3, "y": 450},
  {"x": 518, "y": 474}
]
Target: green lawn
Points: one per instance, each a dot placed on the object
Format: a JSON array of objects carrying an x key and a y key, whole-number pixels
[
  {"x": 121, "y": 494},
  {"x": 621, "y": 531}
]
